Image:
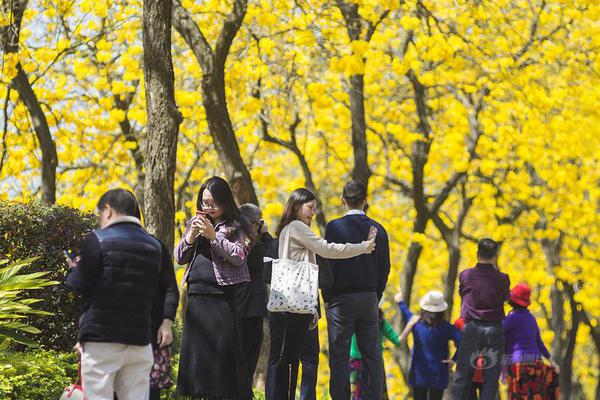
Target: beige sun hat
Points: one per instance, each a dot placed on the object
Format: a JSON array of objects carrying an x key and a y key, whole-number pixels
[{"x": 433, "y": 301}]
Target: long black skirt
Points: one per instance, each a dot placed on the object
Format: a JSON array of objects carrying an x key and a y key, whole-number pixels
[{"x": 211, "y": 364}]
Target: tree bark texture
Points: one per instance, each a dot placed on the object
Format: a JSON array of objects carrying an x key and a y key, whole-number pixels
[
  {"x": 214, "y": 100},
  {"x": 163, "y": 121}
]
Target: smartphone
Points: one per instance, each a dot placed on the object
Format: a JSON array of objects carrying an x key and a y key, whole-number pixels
[
  {"x": 70, "y": 254},
  {"x": 372, "y": 233}
]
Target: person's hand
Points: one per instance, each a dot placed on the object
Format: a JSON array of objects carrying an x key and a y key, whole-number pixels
[
  {"x": 314, "y": 323},
  {"x": 370, "y": 246},
  {"x": 164, "y": 337},
  {"x": 263, "y": 227},
  {"x": 450, "y": 362},
  {"x": 399, "y": 296},
  {"x": 72, "y": 263},
  {"x": 207, "y": 229},
  {"x": 78, "y": 348},
  {"x": 194, "y": 231}
]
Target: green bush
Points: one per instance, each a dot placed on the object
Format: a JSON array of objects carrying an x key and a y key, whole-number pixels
[
  {"x": 36, "y": 375},
  {"x": 38, "y": 230}
]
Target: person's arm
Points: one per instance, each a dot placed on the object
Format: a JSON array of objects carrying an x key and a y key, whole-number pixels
[
  {"x": 390, "y": 334},
  {"x": 406, "y": 314},
  {"x": 234, "y": 251},
  {"x": 184, "y": 252},
  {"x": 382, "y": 258},
  {"x": 461, "y": 284},
  {"x": 167, "y": 285},
  {"x": 540, "y": 344},
  {"x": 84, "y": 275},
  {"x": 303, "y": 234},
  {"x": 506, "y": 294}
]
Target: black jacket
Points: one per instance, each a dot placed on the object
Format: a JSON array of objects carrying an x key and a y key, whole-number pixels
[
  {"x": 118, "y": 276},
  {"x": 252, "y": 297},
  {"x": 364, "y": 273}
]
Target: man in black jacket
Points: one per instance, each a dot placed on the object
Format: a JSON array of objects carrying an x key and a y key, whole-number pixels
[
  {"x": 352, "y": 299},
  {"x": 117, "y": 272}
]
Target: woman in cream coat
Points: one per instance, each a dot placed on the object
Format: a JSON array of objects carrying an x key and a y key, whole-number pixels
[{"x": 295, "y": 224}]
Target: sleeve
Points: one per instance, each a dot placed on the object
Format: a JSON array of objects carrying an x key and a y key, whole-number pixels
[
  {"x": 168, "y": 285},
  {"x": 506, "y": 294},
  {"x": 461, "y": 284},
  {"x": 382, "y": 257},
  {"x": 234, "y": 251},
  {"x": 406, "y": 314},
  {"x": 455, "y": 336},
  {"x": 390, "y": 334},
  {"x": 303, "y": 234},
  {"x": 184, "y": 251},
  {"x": 540, "y": 343},
  {"x": 84, "y": 275},
  {"x": 325, "y": 278}
]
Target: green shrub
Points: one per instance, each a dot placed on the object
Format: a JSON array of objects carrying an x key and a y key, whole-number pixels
[
  {"x": 38, "y": 230},
  {"x": 36, "y": 375}
]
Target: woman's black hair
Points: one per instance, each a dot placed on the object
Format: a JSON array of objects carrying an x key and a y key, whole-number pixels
[
  {"x": 432, "y": 318},
  {"x": 223, "y": 197},
  {"x": 516, "y": 306},
  {"x": 293, "y": 204}
]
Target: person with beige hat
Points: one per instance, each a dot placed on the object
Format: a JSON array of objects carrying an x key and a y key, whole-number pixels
[{"x": 429, "y": 369}]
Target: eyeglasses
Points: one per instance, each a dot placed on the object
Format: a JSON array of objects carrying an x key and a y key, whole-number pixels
[{"x": 212, "y": 206}]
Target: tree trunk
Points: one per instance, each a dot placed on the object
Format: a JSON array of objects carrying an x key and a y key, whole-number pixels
[
  {"x": 221, "y": 129},
  {"x": 454, "y": 255},
  {"x": 163, "y": 121},
  {"x": 354, "y": 26},
  {"x": 214, "y": 100},
  {"x": 10, "y": 44},
  {"x": 42, "y": 130},
  {"x": 361, "y": 169},
  {"x": 136, "y": 152}
]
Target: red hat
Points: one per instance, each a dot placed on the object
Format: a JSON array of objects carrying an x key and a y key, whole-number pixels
[{"x": 520, "y": 295}]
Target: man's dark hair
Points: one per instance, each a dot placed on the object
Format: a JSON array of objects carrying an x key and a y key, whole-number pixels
[
  {"x": 120, "y": 200},
  {"x": 487, "y": 248},
  {"x": 355, "y": 193}
]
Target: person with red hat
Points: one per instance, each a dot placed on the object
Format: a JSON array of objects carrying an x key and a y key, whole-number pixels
[{"x": 527, "y": 374}]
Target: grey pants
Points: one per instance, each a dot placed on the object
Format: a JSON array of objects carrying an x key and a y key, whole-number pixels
[
  {"x": 348, "y": 314},
  {"x": 487, "y": 339}
]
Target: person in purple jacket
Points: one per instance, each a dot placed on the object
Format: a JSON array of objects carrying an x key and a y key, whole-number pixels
[
  {"x": 215, "y": 245},
  {"x": 527, "y": 374}
]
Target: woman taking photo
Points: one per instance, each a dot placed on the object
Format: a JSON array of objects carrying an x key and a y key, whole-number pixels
[
  {"x": 304, "y": 244},
  {"x": 216, "y": 243}
]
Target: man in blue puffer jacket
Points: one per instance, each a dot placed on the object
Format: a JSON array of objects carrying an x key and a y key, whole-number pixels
[{"x": 117, "y": 273}]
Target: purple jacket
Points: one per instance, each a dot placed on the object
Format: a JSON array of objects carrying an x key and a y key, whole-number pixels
[
  {"x": 229, "y": 251},
  {"x": 522, "y": 337},
  {"x": 483, "y": 290}
]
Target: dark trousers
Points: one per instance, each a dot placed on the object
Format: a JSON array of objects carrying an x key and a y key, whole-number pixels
[
  {"x": 348, "y": 314},
  {"x": 428, "y": 394},
  {"x": 309, "y": 358},
  {"x": 487, "y": 339},
  {"x": 288, "y": 333},
  {"x": 251, "y": 335}
]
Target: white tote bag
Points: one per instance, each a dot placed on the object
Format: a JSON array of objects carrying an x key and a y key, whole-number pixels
[{"x": 294, "y": 284}]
